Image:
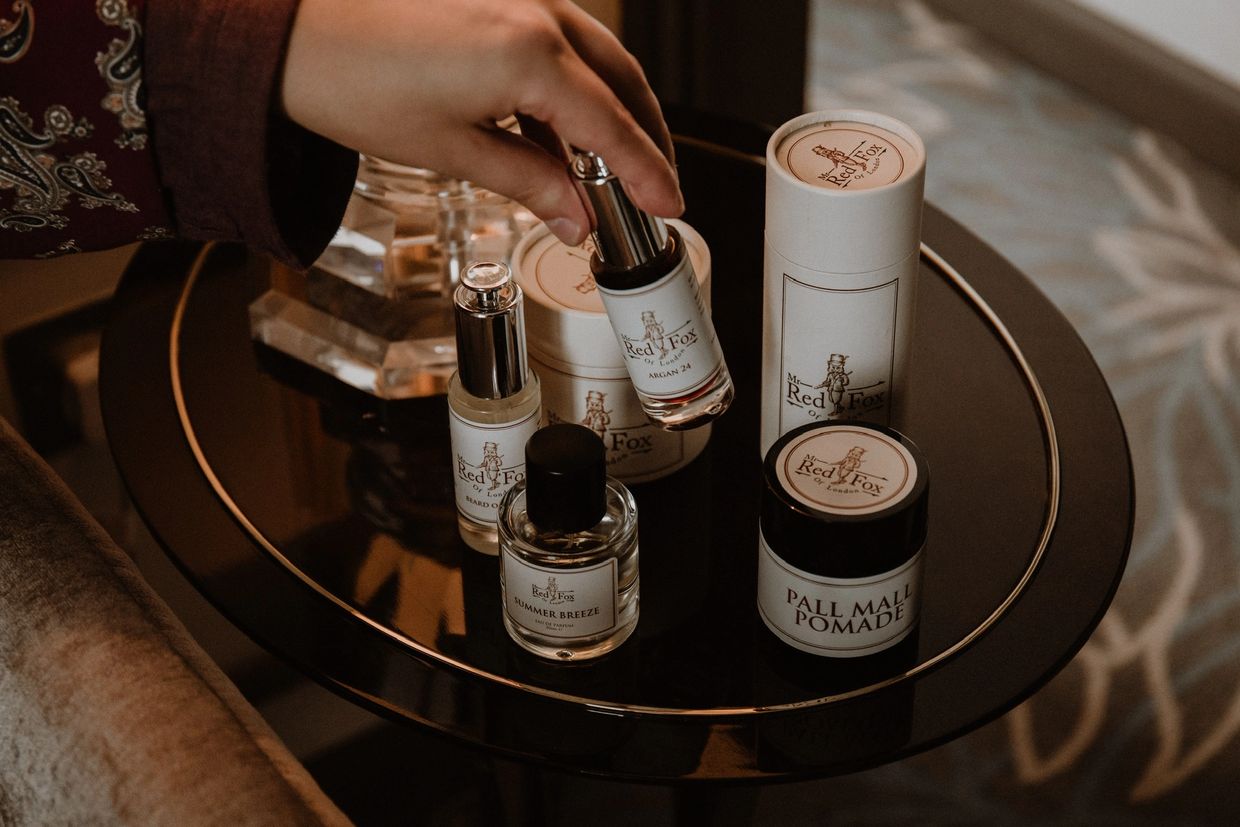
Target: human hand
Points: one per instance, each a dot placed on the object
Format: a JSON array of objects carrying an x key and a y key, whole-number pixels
[{"x": 423, "y": 83}]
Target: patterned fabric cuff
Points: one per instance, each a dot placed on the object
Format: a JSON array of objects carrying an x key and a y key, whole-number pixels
[
  {"x": 234, "y": 168},
  {"x": 76, "y": 173}
]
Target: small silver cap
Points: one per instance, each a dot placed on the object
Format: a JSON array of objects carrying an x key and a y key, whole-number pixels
[
  {"x": 625, "y": 236},
  {"x": 490, "y": 331}
]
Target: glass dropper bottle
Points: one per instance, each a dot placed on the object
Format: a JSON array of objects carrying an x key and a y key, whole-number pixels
[
  {"x": 494, "y": 401},
  {"x": 645, "y": 279}
]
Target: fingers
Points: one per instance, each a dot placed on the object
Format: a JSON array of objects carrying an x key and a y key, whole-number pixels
[
  {"x": 602, "y": 52},
  {"x": 417, "y": 90},
  {"x": 544, "y": 136},
  {"x": 593, "y": 95},
  {"x": 582, "y": 109},
  {"x": 522, "y": 170}
]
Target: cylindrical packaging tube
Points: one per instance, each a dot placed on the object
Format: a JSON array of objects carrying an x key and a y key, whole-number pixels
[{"x": 844, "y": 192}]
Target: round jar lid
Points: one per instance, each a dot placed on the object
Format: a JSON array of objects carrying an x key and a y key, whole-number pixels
[
  {"x": 844, "y": 191},
  {"x": 566, "y": 478},
  {"x": 844, "y": 499},
  {"x": 565, "y": 319}
]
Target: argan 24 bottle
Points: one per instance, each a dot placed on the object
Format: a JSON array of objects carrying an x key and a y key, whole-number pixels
[{"x": 646, "y": 281}]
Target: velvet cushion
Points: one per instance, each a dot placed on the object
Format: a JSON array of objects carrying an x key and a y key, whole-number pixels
[{"x": 109, "y": 712}]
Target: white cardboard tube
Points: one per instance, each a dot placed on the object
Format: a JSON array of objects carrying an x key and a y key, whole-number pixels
[{"x": 844, "y": 191}]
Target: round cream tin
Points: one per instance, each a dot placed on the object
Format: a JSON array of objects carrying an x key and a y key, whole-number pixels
[
  {"x": 843, "y": 525},
  {"x": 573, "y": 349}
]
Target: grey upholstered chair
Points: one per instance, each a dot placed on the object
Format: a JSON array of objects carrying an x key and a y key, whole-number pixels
[{"x": 109, "y": 712}]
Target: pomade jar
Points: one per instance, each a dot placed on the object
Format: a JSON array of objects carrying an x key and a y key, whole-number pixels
[
  {"x": 843, "y": 527},
  {"x": 844, "y": 192},
  {"x": 573, "y": 349}
]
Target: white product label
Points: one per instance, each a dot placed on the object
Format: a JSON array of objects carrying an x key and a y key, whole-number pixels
[
  {"x": 636, "y": 449},
  {"x": 834, "y": 346},
  {"x": 665, "y": 335},
  {"x": 559, "y": 603},
  {"x": 845, "y": 470},
  {"x": 837, "y": 617},
  {"x": 487, "y": 461},
  {"x": 837, "y": 353}
]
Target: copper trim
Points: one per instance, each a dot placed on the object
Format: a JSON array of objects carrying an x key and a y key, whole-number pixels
[{"x": 931, "y": 258}]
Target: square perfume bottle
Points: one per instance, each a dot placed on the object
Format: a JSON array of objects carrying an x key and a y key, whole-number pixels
[{"x": 375, "y": 310}]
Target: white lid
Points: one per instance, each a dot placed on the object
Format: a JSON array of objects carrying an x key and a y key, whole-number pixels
[
  {"x": 564, "y": 317},
  {"x": 844, "y": 191}
]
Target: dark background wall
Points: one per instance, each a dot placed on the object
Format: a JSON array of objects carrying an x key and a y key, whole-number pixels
[{"x": 736, "y": 59}]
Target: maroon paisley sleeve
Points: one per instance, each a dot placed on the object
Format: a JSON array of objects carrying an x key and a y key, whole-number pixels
[
  {"x": 232, "y": 166},
  {"x": 76, "y": 171}
]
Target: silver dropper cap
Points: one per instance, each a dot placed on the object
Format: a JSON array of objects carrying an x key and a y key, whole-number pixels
[
  {"x": 490, "y": 331},
  {"x": 625, "y": 236}
]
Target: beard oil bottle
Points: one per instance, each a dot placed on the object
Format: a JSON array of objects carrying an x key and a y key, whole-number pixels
[
  {"x": 646, "y": 281},
  {"x": 494, "y": 401}
]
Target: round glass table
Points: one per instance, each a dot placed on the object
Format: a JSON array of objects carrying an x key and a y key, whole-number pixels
[{"x": 320, "y": 520}]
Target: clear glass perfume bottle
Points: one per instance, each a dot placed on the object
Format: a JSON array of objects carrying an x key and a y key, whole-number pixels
[
  {"x": 375, "y": 310},
  {"x": 645, "y": 279},
  {"x": 568, "y": 550},
  {"x": 493, "y": 399}
]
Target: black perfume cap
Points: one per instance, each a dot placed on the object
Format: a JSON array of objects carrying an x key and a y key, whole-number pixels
[
  {"x": 566, "y": 478},
  {"x": 844, "y": 499}
]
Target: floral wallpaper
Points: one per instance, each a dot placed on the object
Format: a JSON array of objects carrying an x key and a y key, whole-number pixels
[{"x": 1137, "y": 241}]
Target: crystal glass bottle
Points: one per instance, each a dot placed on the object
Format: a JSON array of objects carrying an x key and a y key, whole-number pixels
[{"x": 375, "y": 310}]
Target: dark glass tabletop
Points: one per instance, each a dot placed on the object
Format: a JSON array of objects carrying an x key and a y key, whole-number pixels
[{"x": 321, "y": 521}]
